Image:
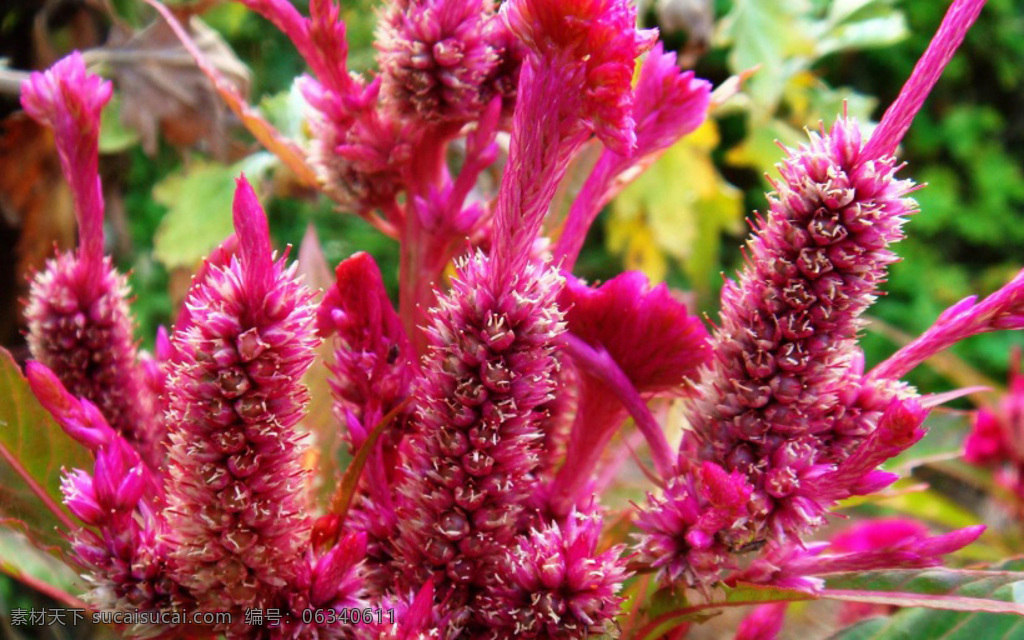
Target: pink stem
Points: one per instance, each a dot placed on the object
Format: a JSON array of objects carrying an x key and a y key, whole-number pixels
[
  {"x": 601, "y": 365},
  {"x": 592, "y": 196},
  {"x": 899, "y": 115}
]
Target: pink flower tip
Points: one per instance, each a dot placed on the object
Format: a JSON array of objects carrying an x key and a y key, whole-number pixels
[
  {"x": 78, "y": 417},
  {"x": 900, "y": 425},
  {"x": 868, "y": 535},
  {"x": 985, "y": 444},
  {"x": 66, "y": 91},
  {"x": 253, "y": 236}
]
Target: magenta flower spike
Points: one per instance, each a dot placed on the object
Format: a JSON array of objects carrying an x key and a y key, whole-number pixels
[
  {"x": 489, "y": 367},
  {"x": 617, "y": 321},
  {"x": 357, "y": 151},
  {"x": 79, "y": 324},
  {"x": 441, "y": 60},
  {"x": 782, "y": 400},
  {"x": 235, "y": 480},
  {"x": 122, "y": 546},
  {"x": 372, "y": 374},
  {"x": 575, "y": 79},
  {"x": 554, "y": 584}
]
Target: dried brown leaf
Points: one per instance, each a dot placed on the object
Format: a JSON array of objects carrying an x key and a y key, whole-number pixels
[{"x": 164, "y": 92}]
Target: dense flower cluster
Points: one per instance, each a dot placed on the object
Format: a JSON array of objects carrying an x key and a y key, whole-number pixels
[
  {"x": 486, "y": 413},
  {"x": 78, "y": 319}
]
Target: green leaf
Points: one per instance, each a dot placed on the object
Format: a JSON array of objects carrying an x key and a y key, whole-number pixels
[
  {"x": 199, "y": 200},
  {"x": 33, "y": 449},
  {"x": 670, "y": 609},
  {"x": 286, "y": 111},
  {"x": 878, "y": 31},
  {"x": 678, "y": 207},
  {"x": 995, "y": 591},
  {"x": 953, "y": 625},
  {"x": 20, "y": 559},
  {"x": 772, "y": 36},
  {"x": 114, "y": 136}
]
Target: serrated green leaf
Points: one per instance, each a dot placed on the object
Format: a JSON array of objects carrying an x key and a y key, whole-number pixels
[
  {"x": 33, "y": 450},
  {"x": 199, "y": 201},
  {"x": 768, "y": 35}
]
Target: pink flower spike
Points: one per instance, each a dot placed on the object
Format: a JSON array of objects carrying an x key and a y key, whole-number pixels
[
  {"x": 69, "y": 99},
  {"x": 320, "y": 39},
  {"x": 235, "y": 474},
  {"x": 899, "y": 115},
  {"x": 438, "y": 59}
]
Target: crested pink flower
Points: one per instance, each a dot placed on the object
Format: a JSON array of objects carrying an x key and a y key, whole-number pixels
[
  {"x": 235, "y": 481},
  {"x": 596, "y": 42},
  {"x": 489, "y": 367},
  {"x": 619, "y": 319},
  {"x": 79, "y": 324},
  {"x": 438, "y": 59},
  {"x": 554, "y": 584},
  {"x": 685, "y": 533}
]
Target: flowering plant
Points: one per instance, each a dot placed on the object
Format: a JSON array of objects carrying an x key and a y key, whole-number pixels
[{"x": 487, "y": 415}]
